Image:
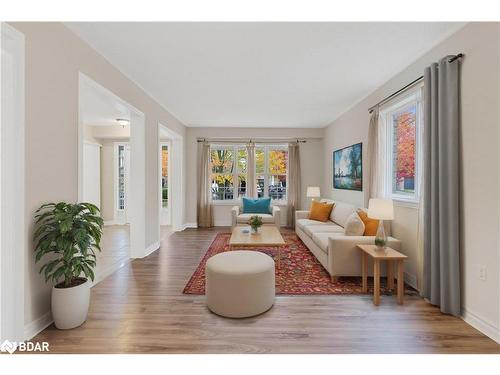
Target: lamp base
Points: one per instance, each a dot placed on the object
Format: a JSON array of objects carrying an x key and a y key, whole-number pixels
[{"x": 380, "y": 237}]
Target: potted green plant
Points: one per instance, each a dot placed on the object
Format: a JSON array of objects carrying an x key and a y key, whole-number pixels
[
  {"x": 255, "y": 223},
  {"x": 67, "y": 235}
]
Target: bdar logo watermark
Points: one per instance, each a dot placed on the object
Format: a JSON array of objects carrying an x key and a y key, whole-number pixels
[{"x": 28, "y": 346}]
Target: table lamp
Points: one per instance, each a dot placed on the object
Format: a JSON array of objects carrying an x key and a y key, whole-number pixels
[
  {"x": 313, "y": 192},
  {"x": 381, "y": 209}
]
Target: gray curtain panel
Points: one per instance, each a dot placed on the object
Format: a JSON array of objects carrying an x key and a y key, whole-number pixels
[
  {"x": 441, "y": 273},
  {"x": 293, "y": 193},
  {"x": 251, "y": 187},
  {"x": 204, "y": 207}
]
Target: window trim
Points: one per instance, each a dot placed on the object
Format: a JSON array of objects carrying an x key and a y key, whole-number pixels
[
  {"x": 266, "y": 174},
  {"x": 266, "y": 147},
  {"x": 235, "y": 147},
  {"x": 414, "y": 95}
]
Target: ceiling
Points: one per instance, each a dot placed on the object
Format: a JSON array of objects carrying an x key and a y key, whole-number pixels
[
  {"x": 98, "y": 107},
  {"x": 261, "y": 74}
]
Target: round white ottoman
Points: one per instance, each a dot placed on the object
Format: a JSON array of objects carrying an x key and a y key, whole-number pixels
[{"x": 239, "y": 284}]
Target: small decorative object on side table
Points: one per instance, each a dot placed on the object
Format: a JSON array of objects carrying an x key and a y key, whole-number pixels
[
  {"x": 255, "y": 223},
  {"x": 388, "y": 255},
  {"x": 381, "y": 209}
]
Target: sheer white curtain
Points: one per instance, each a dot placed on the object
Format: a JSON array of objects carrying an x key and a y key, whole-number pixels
[
  {"x": 293, "y": 189},
  {"x": 205, "y": 214},
  {"x": 376, "y": 157},
  {"x": 251, "y": 179}
]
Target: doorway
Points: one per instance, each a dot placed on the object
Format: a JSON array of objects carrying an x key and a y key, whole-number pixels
[
  {"x": 111, "y": 172},
  {"x": 170, "y": 182}
]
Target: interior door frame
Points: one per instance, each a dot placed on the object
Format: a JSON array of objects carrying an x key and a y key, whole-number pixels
[
  {"x": 13, "y": 229},
  {"x": 176, "y": 178},
  {"x": 137, "y": 209}
]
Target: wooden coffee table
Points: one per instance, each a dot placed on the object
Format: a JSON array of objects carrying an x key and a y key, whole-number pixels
[
  {"x": 267, "y": 236},
  {"x": 389, "y": 255}
]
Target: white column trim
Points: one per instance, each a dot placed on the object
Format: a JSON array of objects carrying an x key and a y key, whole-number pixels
[{"x": 13, "y": 229}]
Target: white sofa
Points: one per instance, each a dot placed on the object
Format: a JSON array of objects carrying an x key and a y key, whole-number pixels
[
  {"x": 334, "y": 250},
  {"x": 239, "y": 218}
]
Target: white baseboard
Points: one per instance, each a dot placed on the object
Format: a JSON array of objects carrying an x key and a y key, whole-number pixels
[
  {"x": 152, "y": 248},
  {"x": 103, "y": 273},
  {"x": 481, "y": 325},
  {"x": 36, "y": 326},
  {"x": 189, "y": 225}
]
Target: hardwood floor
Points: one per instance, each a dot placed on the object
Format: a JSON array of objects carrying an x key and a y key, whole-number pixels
[{"x": 141, "y": 309}]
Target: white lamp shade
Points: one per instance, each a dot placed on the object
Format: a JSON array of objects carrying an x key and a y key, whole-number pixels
[
  {"x": 313, "y": 192},
  {"x": 381, "y": 209}
]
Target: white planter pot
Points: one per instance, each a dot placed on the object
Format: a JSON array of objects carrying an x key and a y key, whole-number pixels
[{"x": 70, "y": 306}]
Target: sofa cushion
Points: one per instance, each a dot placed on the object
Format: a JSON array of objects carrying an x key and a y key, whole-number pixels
[
  {"x": 327, "y": 201},
  {"x": 371, "y": 225},
  {"x": 387, "y": 223},
  {"x": 331, "y": 228},
  {"x": 354, "y": 225},
  {"x": 341, "y": 213},
  {"x": 266, "y": 218},
  {"x": 320, "y": 211},
  {"x": 256, "y": 206},
  {"x": 302, "y": 223}
]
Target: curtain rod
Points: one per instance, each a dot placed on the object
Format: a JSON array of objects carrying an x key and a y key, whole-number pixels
[
  {"x": 249, "y": 140},
  {"x": 412, "y": 83}
]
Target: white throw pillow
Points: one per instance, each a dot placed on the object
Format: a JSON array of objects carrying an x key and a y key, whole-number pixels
[{"x": 354, "y": 226}]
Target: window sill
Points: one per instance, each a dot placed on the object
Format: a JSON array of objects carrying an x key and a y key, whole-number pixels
[
  {"x": 226, "y": 203},
  {"x": 238, "y": 203},
  {"x": 405, "y": 203}
]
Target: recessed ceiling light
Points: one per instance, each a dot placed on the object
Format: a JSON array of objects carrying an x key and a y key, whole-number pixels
[{"x": 123, "y": 121}]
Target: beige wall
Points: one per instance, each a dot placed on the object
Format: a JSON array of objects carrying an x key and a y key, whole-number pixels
[
  {"x": 480, "y": 184},
  {"x": 311, "y": 160},
  {"x": 54, "y": 56}
]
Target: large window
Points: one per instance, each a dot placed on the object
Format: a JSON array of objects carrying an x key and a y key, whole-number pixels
[
  {"x": 403, "y": 124},
  {"x": 271, "y": 168},
  {"x": 229, "y": 172}
]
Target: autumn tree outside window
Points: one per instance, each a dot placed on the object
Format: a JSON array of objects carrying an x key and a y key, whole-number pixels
[
  {"x": 402, "y": 121},
  {"x": 271, "y": 168},
  {"x": 229, "y": 171}
]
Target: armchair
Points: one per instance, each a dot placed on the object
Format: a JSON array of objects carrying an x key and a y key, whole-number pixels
[{"x": 239, "y": 218}]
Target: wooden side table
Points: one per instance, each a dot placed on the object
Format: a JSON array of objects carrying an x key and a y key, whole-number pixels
[{"x": 389, "y": 255}]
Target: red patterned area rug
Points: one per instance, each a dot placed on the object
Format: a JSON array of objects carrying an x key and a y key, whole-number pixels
[{"x": 300, "y": 272}]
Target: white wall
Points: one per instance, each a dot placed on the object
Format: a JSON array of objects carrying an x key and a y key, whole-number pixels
[
  {"x": 480, "y": 182},
  {"x": 54, "y": 58},
  {"x": 311, "y": 160}
]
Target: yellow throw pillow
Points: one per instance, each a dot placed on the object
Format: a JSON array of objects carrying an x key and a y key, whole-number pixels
[
  {"x": 371, "y": 225},
  {"x": 320, "y": 211}
]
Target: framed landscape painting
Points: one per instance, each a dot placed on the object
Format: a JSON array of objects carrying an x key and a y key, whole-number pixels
[{"x": 348, "y": 168}]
